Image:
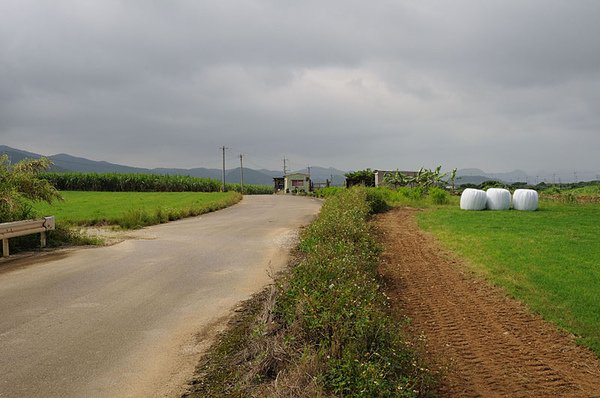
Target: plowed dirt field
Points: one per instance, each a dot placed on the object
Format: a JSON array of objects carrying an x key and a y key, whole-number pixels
[{"x": 484, "y": 343}]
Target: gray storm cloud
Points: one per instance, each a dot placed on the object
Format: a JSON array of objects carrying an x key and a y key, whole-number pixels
[{"x": 497, "y": 85}]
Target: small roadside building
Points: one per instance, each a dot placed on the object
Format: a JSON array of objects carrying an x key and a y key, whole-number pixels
[{"x": 297, "y": 182}]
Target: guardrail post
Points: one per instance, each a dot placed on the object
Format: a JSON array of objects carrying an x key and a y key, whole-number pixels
[
  {"x": 43, "y": 239},
  {"x": 5, "y": 247}
]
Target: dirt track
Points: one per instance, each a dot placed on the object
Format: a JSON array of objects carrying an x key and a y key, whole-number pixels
[{"x": 484, "y": 343}]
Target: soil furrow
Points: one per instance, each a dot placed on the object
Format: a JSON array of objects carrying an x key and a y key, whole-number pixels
[{"x": 482, "y": 342}]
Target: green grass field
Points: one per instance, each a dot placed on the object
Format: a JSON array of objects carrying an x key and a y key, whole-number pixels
[
  {"x": 549, "y": 259},
  {"x": 133, "y": 209}
]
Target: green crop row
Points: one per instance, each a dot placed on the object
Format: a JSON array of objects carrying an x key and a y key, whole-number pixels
[{"x": 121, "y": 182}]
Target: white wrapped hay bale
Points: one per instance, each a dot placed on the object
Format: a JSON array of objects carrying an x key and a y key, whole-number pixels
[
  {"x": 473, "y": 199},
  {"x": 498, "y": 199},
  {"x": 525, "y": 199}
]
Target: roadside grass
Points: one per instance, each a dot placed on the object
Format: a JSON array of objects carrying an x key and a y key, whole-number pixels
[
  {"x": 133, "y": 209},
  {"x": 549, "y": 259},
  {"x": 324, "y": 329}
]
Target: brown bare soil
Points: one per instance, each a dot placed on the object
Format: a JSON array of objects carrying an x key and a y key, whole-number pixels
[{"x": 483, "y": 343}]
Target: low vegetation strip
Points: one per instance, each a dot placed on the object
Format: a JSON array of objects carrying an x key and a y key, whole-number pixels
[
  {"x": 121, "y": 182},
  {"x": 133, "y": 209},
  {"x": 548, "y": 259},
  {"x": 325, "y": 330}
]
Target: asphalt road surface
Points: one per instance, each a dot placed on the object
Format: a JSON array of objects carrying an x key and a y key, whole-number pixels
[{"x": 131, "y": 320}]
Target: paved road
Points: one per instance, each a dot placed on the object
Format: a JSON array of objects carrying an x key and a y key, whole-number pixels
[{"x": 131, "y": 319}]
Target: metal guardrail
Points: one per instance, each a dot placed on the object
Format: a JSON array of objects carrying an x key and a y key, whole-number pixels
[{"x": 27, "y": 227}]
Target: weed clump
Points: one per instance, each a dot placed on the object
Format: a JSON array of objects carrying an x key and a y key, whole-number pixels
[{"x": 439, "y": 196}]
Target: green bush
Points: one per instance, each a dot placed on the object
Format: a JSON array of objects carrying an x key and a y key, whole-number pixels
[
  {"x": 439, "y": 196},
  {"x": 376, "y": 199}
]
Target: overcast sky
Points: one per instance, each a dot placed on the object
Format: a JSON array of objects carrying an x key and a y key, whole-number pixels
[{"x": 494, "y": 84}]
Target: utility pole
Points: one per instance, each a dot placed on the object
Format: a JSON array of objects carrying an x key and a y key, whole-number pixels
[
  {"x": 575, "y": 176},
  {"x": 284, "y": 167},
  {"x": 308, "y": 168},
  {"x": 223, "y": 174},
  {"x": 241, "y": 174}
]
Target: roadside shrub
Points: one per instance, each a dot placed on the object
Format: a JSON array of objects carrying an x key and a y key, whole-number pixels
[
  {"x": 439, "y": 196},
  {"x": 376, "y": 199}
]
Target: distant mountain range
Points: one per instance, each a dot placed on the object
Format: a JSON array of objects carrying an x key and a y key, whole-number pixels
[
  {"x": 68, "y": 163},
  {"x": 64, "y": 162}
]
